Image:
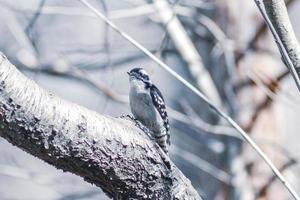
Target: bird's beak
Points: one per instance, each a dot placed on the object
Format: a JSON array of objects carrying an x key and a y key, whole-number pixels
[{"x": 128, "y": 73}]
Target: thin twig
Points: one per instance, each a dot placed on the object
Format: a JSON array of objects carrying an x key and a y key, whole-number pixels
[
  {"x": 249, "y": 82},
  {"x": 271, "y": 89},
  {"x": 195, "y": 120},
  {"x": 263, "y": 190},
  {"x": 203, "y": 5},
  {"x": 27, "y": 54},
  {"x": 35, "y": 17},
  {"x": 67, "y": 11},
  {"x": 226, "y": 46},
  {"x": 198, "y": 93},
  {"x": 201, "y": 164},
  {"x": 107, "y": 49},
  {"x": 79, "y": 74}
]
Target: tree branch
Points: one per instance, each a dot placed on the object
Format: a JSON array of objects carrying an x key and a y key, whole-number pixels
[
  {"x": 111, "y": 153},
  {"x": 278, "y": 15},
  {"x": 263, "y": 191},
  {"x": 261, "y": 30},
  {"x": 277, "y": 19},
  {"x": 187, "y": 50}
]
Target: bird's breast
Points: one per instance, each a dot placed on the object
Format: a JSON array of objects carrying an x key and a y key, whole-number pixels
[{"x": 143, "y": 109}]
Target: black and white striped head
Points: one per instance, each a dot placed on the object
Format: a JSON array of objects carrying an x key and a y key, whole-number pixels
[{"x": 139, "y": 74}]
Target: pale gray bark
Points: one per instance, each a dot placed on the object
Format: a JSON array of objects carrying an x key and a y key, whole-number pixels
[
  {"x": 111, "y": 153},
  {"x": 278, "y": 15}
]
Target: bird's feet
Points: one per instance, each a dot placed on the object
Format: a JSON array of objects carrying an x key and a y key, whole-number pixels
[{"x": 138, "y": 124}]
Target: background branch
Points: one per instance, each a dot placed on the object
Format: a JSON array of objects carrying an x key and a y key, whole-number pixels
[
  {"x": 187, "y": 50},
  {"x": 261, "y": 30},
  {"x": 277, "y": 19}
]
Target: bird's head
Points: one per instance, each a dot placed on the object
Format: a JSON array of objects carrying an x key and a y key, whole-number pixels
[{"x": 139, "y": 74}]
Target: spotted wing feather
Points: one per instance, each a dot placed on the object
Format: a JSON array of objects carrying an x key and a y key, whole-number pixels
[{"x": 159, "y": 103}]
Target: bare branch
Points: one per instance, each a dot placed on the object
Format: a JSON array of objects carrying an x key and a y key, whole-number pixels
[
  {"x": 278, "y": 15},
  {"x": 262, "y": 28},
  {"x": 275, "y": 14},
  {"x": 202, "y": 164},
  {"x": 111, "y": 153},
  {"x": 262, "y": 192},
  {"x": 187, "y": 50},
  {"x": 35, "y": 17},
  {"x": 69, "y": 71},
  {"x": 27, "y": 53},
  {"x": 271, "y": 88}
]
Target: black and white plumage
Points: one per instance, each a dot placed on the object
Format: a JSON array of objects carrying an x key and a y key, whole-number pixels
[{"x": 148, "y": 106}]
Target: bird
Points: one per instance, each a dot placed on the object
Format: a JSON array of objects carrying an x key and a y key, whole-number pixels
[{"x": 148, "y": 106}]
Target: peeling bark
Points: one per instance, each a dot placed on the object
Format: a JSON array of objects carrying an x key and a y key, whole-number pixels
[{"x": 111, "y": 153}]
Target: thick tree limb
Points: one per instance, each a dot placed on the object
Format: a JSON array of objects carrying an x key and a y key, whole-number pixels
[{"x": 111, "y": 153}]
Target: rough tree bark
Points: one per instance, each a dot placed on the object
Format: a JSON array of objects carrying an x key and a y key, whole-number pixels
[{"x": 111, "y": 153}]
